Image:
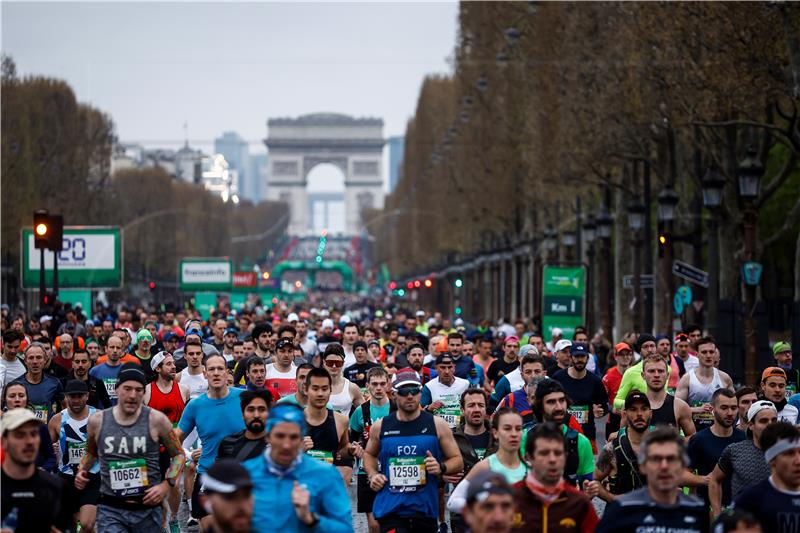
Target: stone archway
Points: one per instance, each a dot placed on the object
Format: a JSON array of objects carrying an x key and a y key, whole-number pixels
[{"x": 296, "y": 145}]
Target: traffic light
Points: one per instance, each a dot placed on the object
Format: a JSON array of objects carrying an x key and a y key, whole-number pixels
[
  {"x": 428, "y": 283},
  {"x": 392, "y": 285},
  {"x": 152, "y": 285},
  {"x": 48, "y": 230},
  {"x": 664, "y": 242},
  {"x": 459, "y": 283}
]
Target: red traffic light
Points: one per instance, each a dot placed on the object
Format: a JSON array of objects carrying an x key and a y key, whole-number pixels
[
  {"x": 152, "y": 285},
  {"x": 428, "y": 283},
  {"x": 410, "y": 285},
  {"x": 392, "y": 285},
  {"x": 417, "y": 284}
]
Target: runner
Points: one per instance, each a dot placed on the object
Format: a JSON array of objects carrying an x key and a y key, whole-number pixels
[
  {"x": 659, "y": 506},
  {"x": 168, "y": 397},
  {"x": 357, "y": 372},
  {"x": 490, "y": 504},
  {"x": 376, "y": 407},
  {"x": 15, "y": 396},
  {"x": 193, "y": 376},
  {"x": 45, "y": 393},
  {"x": 229, "y": 498},
  {"x": 230, "y": 337},
  {"x": 68, "y": 430},
  {"x": 214, "y": 415},
  {"x": 350, "y": 334},
  {"x": 32, "y": 499},
  {"x": 506, "y": 364},
  {"x": 415, "y": 358},
  {"x": 507, "y": 461},
  {"x": 309, "y": 346},
  {"x": 773, "y": 389},
  {"x": 252, "y": 440},
  {"x": 782, "y": 352},
  {"x": 623, "y": 357},
  {"x": 633, "y": 378},
  {"x": 483, "y": 356},
  {"x": 544, "y": 497},
  {"x": 442, "y": 395},
  {"x": 697, "y": 386},
  {"x": 465, "y": 367},
  {"x": 705, "y": 448},
  {"x": 561, "y": 357},
  {"x": 551, "y": 406},
  {"x": 745, "y": 396},
  {"x": 619, "y": 459},
  {"x": 143, "y": 352},
  {"x": 81, "y": 365},
  {"x": 774, "y": 501},
  {"x": 531, "y": 367},
  {"x": 666, "y": 408},
  {"x": 585, "y": 391},
  {"x": 280, "y": 375},
  {"x": 125, "y": 439},
  {"x": 328, "y": 437},
  {"x": 284, "y": 474},
  {"x": 11, "y": 367},
  {"x": 743, "y": 461},
  {"x": 682, "y": 351},
  {"x": 345, "y": 395},
  {"x": 299, "y": 398},
  {"x": 108, "y": 371},
  {"x": 414, "y": 448},
  {"x": 514, "y": 380}
]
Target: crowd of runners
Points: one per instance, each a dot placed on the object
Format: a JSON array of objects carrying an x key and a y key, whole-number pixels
[{"x": 261, "y": 419}]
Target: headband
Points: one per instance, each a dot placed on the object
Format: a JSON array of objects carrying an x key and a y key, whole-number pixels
[
  {"x": 783, "y": 445},
  {"x": 286, "y": 413}
]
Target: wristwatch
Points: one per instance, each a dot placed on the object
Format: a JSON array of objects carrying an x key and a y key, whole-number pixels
[{"x": 442, "y": 468}]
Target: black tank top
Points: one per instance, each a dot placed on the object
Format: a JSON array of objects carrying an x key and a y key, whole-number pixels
[
  {"x": 665, "y": 415},
  {"x": 326, "y": 439}
]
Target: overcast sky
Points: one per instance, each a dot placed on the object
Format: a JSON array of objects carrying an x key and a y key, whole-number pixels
[{"x": 225, "y": 66}]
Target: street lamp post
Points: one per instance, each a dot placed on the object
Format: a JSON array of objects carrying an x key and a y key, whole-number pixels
[
  {"x": 749, "y": 177},
  {"x": 589, "y": 234},
  {"x": 636, "y": 223},
  {"x": 667, "y": 202},
  {"x": 604, "y": 223},
  {"x": 713, "y": 184}
]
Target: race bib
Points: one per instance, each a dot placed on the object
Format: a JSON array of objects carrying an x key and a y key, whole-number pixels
[
  {"x": 128, "y": 478},
  {"x": 40, "y": 412},
  {"x": 580, "y": 412},
  {"x": 321, "y": 455},
  {"x": 75, "y": 452},
  {"x": 406, "y": 473},
  {"x": 111, "y": 387},
  {"x": 706, "y": 417},
  {"x": 450, "y": 415}
]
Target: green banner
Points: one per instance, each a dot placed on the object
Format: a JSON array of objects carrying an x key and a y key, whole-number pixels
[
  {"x": 563, "y": 299},
  {"x": 238, "y": 300},
  {"x": 77, "y": 297},
  {"x": 204, "y": 302}
]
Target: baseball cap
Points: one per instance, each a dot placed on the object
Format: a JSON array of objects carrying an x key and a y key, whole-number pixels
[
  {"x": 45, "y": 318},
  {"x": 292, "y": 317},
  {"x": 758, "y": 406},
  {"x": 620, "y": 346},
  {"x": 512, "y": 338},
  {"x": 556, "y": 332},
  {"x": 781, "y": 346},
  {"x": 420, "y": 313},
  {"x": 226, "y": 476},
  {"x": 370, "y": 343},
  {"x": 15, "y": 418},
  {"x": 444, "y": 359},
  {"x": 636, "y": 396},
  {"x": 131, "y": 372},
  {"x": 233, "y": 331},
  {"x": 283, "y": 343},
  {"x": 405, "y": 378},
  {"x": 772, "y": 372},
  {"x": 76, "y": 386},
  {"x": 327, "y": 323},
  {"x": 157, "y": 359},
  {"x": 579, "y": 349},
  {"x": 562, "y": 344},
  {"x": 168, "y": 336},
  {"x": 359, "y": 344},
  {"x": 144, "y": 334},
  {"x": 485, "y": 484},
  {"x": 195, "y": 332},
  {"x": 528, "y": 349}
]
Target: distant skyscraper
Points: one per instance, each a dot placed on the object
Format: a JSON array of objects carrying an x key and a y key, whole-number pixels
[
  {"x": 234, "y": 148},
  {"x": 259, "y": 166},
  {"x": 397, "y": 146}
]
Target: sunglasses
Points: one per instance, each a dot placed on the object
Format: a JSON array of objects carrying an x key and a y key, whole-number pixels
[
  {"x": 334, "y": 364},
  {"x": 409, "y": 391}
]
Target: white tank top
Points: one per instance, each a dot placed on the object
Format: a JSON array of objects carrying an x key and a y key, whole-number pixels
[
  {"x": 197, "y": 385},
  {"x": 699, "y": 392},
  {"x": 342, "y": 401}
]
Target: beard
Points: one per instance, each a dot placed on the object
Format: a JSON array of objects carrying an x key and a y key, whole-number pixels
[
  {"x": 416, "y": 366},
  {"x": 256, "y": 426}
]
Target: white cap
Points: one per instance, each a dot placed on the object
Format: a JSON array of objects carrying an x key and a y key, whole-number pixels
[
  {"x": 158, "y": 359},
  {"x": 431, "y": 321},
  {"x": 345, "y": 319},
  {"x": 45, "y": 318},
  {"x": 292, "y": 317},
  {"x": 556, "y": 332},
  {"x": 420, "y": 313},
  {"x": 758, "y": 406},
  {"x": 327, "y": 323},
  {"x": 458, "y": 322},
  {"x": 563, "y": 343}
]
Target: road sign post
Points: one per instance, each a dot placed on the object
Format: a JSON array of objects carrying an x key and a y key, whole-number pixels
[
  {"x": 91, "y": 258},
  {"x": 564, "y": 297},
  {"x": 690, "y": 273}
]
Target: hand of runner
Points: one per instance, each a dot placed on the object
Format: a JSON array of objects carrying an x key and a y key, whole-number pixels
[
  {"x": 431, "y": 464},
  {"x": 196, "y": 454},
  {"x": 598, "y": 410},
  {"x": 591, "y": 488},
  {"x": 453, "y": 478},
  {"x": 435, "y": 405},
  {"x": 300, "y": 499},
  {"x": 155, "y": 494},
  {"x": 377, "y": 481},
  {"x": 308, "y": 443},
  {"x": 355, "y": 450},
  {"x": 81, "y": 479}
]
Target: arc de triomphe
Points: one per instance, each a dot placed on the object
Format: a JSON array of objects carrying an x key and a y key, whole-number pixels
[{"x": 297, "y": 145}]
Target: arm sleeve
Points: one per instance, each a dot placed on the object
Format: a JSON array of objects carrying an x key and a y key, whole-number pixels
[
  {"x": 187, "y": 421},
  {"x": 585, "y": 458},
  {"x": 426, "y": 399},
  {"x": 502, "y": 388},
  {"x": 458, "y": 498},
  {"x": 692, "y": 451},
  {"x": 334, "y": 510},
  {"x": 624, "y": 388}
]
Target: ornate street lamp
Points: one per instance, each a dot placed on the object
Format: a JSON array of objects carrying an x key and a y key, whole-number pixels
[
  {"x": 713, "y": 184},
  {"x": 568, "y": 239},
  {"x": 550, "y": 238},
  {"x": 512, "y": 35},
  {"x": 667, "y": 200},
  {"x": 636, "y": 216},
  {"x": 501, "y": 59},
  {"x": 750, "y": 172},
  {"x": 590, "y": 229},
  {"x": 483, "y": 83},
  {"x": 604, "y": 223}
]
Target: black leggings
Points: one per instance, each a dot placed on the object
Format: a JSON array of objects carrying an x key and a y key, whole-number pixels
[{"x": 408, "y": 524}]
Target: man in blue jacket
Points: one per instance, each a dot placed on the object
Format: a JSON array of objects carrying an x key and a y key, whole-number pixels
[{"x": 283, "y": 474}]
